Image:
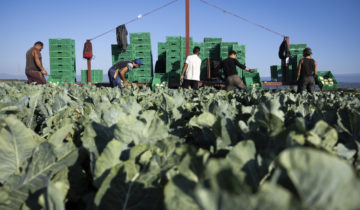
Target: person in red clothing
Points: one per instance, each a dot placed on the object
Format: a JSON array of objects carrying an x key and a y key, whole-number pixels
[
  {"x": 306, "y": 72},
  {"x": 34, "y": 69}
]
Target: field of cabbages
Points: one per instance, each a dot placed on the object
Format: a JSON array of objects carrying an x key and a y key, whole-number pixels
[{"x": 103, "y": 148}]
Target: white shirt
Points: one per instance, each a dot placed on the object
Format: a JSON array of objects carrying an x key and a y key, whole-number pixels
[{"x": 193, "y": 70}]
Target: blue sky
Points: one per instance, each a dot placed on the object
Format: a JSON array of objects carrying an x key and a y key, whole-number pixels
[{"x": 330, "y": 27}]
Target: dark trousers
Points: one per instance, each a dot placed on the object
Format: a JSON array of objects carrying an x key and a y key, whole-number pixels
[
  {"x": 114, "y": 82},
  {"x": 35, "y": 76},
  {"x": 190, "y": 83},
  {"x": 234, "y": 81},
  {"x": 306, "y": 83}
]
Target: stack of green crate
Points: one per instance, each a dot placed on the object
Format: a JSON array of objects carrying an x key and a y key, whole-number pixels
[
  {"x": 275, "y": 72},
  {"x": 139, "y": 48},
  {"x": 62, "y": 61},
  {"x": 296, "y": 54},
  {"x": 175, "y": 56},
  {"x": 96, "y": 76}
]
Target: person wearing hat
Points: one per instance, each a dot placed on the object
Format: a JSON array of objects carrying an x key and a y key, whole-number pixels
[
  {"x": 306, "y": 72},
  {"x": 117, "y": 72}
]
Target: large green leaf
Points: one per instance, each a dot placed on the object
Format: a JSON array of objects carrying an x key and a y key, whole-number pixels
[
  {"x": 145, "y": 128},
  {"x": 179, "y": 194},
  {"x": 243, "y": 159},
  {"x": 44, "y": 163},
  {"x": 108, "y": 158},
  {"x": 16, "y": 145},
  {"x": 321, "y": 180},
  {"x": 126, "y": 187}
]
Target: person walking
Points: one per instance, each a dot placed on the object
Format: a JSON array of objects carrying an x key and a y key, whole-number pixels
[
  {"x": 229, "y": 67},
  {"x": 34, "y": 69},
  {"x": 191, "y": 70},
  {"x": 117, "y": 72},
  {"x": 306, "y": 72}
]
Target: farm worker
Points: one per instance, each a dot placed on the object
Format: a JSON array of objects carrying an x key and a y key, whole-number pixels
[
  {"x": 34, "y": 69},
  {"x": 229, "y": 67},
  {"x": 191, "y": 70},
  {"x": 284, "y": 54},
  {"x": 117, "y": 72},
  {"x": 307, "y": 71}
]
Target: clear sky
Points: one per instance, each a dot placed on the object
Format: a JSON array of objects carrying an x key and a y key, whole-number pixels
[{"x": 330, "y": 27}]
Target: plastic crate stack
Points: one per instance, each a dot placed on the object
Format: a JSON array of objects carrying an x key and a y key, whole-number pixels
[
  {"x": 296, "y": 54},
  {"x": 96, "y": 76},
  {"x": 175, "y": 56},
  {"x": 62, "y": 61},
  {"x": 139, "y": 48}
]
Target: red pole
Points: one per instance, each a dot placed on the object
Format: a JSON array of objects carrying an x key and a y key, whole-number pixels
[
  {"x": 89, "y": 70},
  {"x": 187, "y": 26}
]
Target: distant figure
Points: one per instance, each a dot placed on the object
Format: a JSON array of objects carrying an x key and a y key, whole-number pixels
[
  {"x": 229, "y": 67},
  {"x": 117, "y": 72},
  {"x": 34, "y": 70},
  {"x": 191, "y": 70},
  {"x": 307, "y": 71}
]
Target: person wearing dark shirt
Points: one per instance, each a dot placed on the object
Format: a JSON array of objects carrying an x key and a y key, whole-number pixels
[
  {"x": 117, "y": 72},
  {"x": 306, "y": 72},
  {"x": 229, "y": 67},
  {"x": 34, "y": 69}
]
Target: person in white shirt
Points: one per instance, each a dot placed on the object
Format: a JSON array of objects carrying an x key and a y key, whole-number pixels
[{"x": 191, "y": 70}]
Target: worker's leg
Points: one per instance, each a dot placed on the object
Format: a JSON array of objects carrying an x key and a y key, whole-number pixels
[
  {"x": 118, "y": 81},
  {"x": 111, "y": 73},
  {"x": 238, "y": 82},
  {"x": 311, "y": 85},
  {"x": 194, "y": 85},
  {"x": 35, "y": 76},
  {"x": 186, "y": 83},
  {"x": 301, "y": 85},
  {"x": 229, "y": 83}
]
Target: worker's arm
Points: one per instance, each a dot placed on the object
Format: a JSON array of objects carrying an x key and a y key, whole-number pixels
[
  {"x": 243, "y": 66},
  {"x": 36, "y": 54},
  {"x": 299, "y": 70},
  {"x": 122, "y": 75},
  {"x": 315, "y": 67},
  {"x": 183, "y": 71}
]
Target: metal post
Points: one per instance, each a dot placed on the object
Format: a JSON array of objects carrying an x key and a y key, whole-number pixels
[
  {"x": 89, "y": 70},
  {"x": 187, "y": 26}
]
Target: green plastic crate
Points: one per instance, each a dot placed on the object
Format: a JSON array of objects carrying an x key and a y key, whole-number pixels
[
  {"x": 61, "y": 42},
  {"x": 161, "y": 48},
  {"x": 62, "y": 54},
  {"x": 143, "y": 80},
  {"x": 96, "y": 76},
  {"x": 62, "y": 61},
  {"x": 142, "y": 35},
  {"x": 212, "y": 40},
  {"x": 115, "y": 49},
  {"x": 274, "y": 72},
  {"x": 59, "y": 47},
  {"x": 326, "y": 75},
  {"x": 141, "y": 72},
  {"x": 61, "y": 67},
  {"x": 252, "y": 78},
  {"x": 62, "y": 78},
  {"x": 143, "y": 54},
  {"x": 159, "y": 78},
  {"x": 142, "y": 47}
]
